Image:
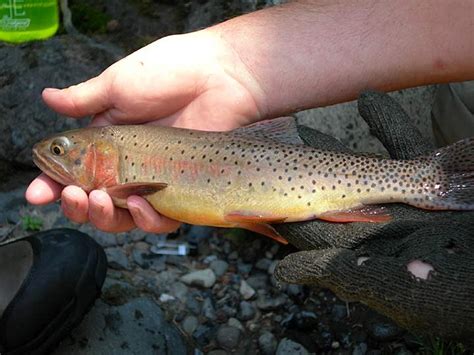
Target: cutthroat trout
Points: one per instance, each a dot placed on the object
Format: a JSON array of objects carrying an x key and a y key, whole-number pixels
[{"x": 254, "y": 176}]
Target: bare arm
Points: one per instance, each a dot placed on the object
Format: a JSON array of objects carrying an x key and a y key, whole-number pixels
[{"x": 311, "y": 53}]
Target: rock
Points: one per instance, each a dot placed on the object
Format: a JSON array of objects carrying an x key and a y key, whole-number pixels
[
  {"x": 233, "y": 255},
  {"x": 218, "y": 352},
  {"x": 359, "y": 349},
  {"x": 192, "y": 303},
  {"x": 189, "y": 324},
  {"x": 104, "y": 239},
  {"x": 258, "y": 282},
  {"x": 137, "y": 256},
  {"x": 246, "y": 291},
  {"x": 228, "y": 337},
  {"x": 246, "y": 311},
  {"x": 339, "y": 312},
  {"x": 117, "y": 259},
  {"x": 263, "y": 264},
  {"x": 289, "y": 347},
  {"x": 115, "y": 330},
  {"x": 208, "y": 310},
  {"x": 383, "y": 329},
  {"x": 164, "y": 297},
  {"x": 244, "y": 268},
  {"x": 202, "y": 278},
  {"x": 268, "y": 303},
  {"x": 154, "y": 239},
  {"x": 267, "y": 343},
  {"x": 179, "y": 290},
  {"x": 234, "y": 322},
  {"x": 219, "y": 267},
  {"x": 204, "y": 334},
  {"x": 29, "y": 68}
]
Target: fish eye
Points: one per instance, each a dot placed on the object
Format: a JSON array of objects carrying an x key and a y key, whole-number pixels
[{"x": 59, "y": 146}]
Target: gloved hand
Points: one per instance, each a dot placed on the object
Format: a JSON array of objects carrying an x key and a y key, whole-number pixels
[{"x": 418, "y": 269}]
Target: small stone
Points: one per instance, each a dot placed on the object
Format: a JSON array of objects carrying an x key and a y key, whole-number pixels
[
  {"x": 246, "y": 291},
  {"x": 289, "y": 347},
  {"x": 233, "y": 256},
  {"x": 190, "y": 323},
  {"x": 246, "y": 311},
  {"x": 193, "y": 304},
  {"x": 339, "y": 312},
  {"x": 117, "y": 259},
  {"x": 360, "y": 349},
  {"x": 267, "y": 343},
  {"x": 164, "y": 297},
  {"x": 201, "y": 278},
  {"x": 383, "y": 330},
  {"x": 263, "y": 264},
  {"x": 138, "y": 258},
  {"x": 203, "y": 334},
  {"x": 335, "y": 345},
  {"x": 209, "y": 259},
  {"x": 244, "y": 268},
  {"x": 105, "y": 239},
  {"x": 179, "y": 290},
  {"x": 142, "y": 246},
  {"x": 219, "y": 267},
  {"x": 272, "y": 267},
  {"x": 258, "y": 282},
  {"x": 234, "y": 322},
  {"x": 266, "y": 303},
  {"x": 112, "y": 25},
  {"x": 218, "y": 352},
  {"x": 208, "y": 310},
  {"x": 228, "y": 337},
  {"x": 154, "y": 239}
]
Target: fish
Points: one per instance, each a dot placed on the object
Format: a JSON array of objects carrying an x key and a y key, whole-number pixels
[{"x": 254, "y": 176}]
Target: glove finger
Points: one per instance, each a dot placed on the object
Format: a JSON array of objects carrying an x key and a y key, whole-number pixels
[
  {"x": 391, "y": 125},
  {"x": 319, "y": 140}
]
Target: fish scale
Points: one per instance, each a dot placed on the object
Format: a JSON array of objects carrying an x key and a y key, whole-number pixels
[{"x": 254, "y": 175}]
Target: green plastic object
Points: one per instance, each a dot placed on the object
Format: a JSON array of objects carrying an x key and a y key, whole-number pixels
[{"x": 28, "y": 20}]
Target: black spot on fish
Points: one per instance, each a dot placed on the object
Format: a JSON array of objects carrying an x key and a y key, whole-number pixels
[{"x": 77, "y": 161}]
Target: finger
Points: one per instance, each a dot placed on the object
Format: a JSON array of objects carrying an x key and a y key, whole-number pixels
[
  {"x": 43, "y": 190},
  {"x": 389, "y": 122},
  {"x": 87, "y": 98},
  {"x": 105, "y": 216},
  {"x": 147, "y": 219},
  {"x": 75, "y": 204}
]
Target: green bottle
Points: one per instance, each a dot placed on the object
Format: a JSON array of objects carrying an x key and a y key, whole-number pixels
[{"x": 27, "y": 20}]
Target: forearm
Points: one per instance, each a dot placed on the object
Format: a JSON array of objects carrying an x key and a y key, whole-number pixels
[{"x": 313, "y": 53}]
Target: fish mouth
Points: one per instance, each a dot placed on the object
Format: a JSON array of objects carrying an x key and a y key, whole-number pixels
[{"x": 50, "y": 167}]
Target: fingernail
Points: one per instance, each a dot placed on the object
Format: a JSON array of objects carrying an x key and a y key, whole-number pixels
[{"x": 51, "y": 89}]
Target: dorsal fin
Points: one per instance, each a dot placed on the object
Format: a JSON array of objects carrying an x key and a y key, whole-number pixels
[{"x": 281, "y": 129}]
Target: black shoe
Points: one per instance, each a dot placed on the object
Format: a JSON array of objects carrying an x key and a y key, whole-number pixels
[{"x": 48, "y": 282}]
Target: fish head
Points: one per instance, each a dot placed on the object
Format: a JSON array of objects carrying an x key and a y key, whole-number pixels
[{"x": 79, "y": 157}]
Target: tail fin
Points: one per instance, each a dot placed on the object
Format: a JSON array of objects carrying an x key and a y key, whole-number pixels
[{"x": 451, "y": 184}]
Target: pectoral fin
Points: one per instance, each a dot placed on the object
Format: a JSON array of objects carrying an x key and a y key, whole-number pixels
[
  {"x": 372, "y": 214},
  {"x": 123, "y": 191},
  {"x": 257, "y": 223}
]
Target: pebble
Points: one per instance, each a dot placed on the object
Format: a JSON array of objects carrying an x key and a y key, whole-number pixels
[
  {"x": 246, "y": 290},
  {"x": 244, "y": 268},
  {"x": 263, "y": 264},
  {"x": 217, "y": 352},
  {"x": 267, "y": 343},
  {"x": 228, "y": 337},
  {"x": 179, "y": 290},
  {"x": 267, "y": 303},
  {"x": 234, "y": 322},
  {"x": 154, "y": 239},
  {"x": 203, "y": 334},
  {"x": 138, "y": 258},
  {"x": 289, "y": 347},
  {"x": 219, "y": 267},
  {"x": 105, "y": 239},
  {"x": 189, "y": 324},
  {"x": 258, "y": 282},
  {"x": 164, "y": 297},
  {"x": 233, "y": 255},
  {"x": 201, "y": 278},
  {"x": 208, "y": 310},
  {"x": 117, "y": 259},
  {"x": 359, "y": 349},
  {"x": 246, "y": 311},
  {"x": 192, "y": 303},
  {"x": 335, "y": 345},
  {"x": 383, "y": 330},
  {"x": 339, "y": 312}
]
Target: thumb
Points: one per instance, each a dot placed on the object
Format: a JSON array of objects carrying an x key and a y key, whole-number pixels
[{"x": 87, "y": 98}]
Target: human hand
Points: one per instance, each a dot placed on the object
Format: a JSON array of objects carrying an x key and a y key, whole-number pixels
[
  {"x": 193, "y": 81},
  {"x": 417, "y": 269}
]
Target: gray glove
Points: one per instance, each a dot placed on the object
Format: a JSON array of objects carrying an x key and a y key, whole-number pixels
[{"x": 376, "y": 263}]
